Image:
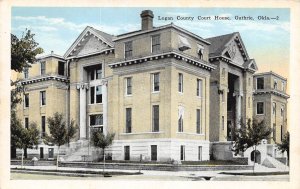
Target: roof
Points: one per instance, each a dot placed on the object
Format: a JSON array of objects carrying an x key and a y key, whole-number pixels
[
  {"x": 106, "y": 36},
  {"x": 218, "y": 43},
  {"x": 270, "y": 73},
  {"x": 50, "y": 55},
  {"x": 139, "y": 32}
]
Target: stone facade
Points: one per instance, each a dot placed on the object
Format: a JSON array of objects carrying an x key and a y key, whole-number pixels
[
  {"x": 272, "y": 96},
  {"x": 164, "y": 91}
]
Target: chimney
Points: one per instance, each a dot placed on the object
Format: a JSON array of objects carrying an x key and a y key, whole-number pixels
[{"x": 147, "y": 19}]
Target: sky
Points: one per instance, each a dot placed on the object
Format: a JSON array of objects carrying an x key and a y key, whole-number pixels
[{"x": 267, "y": 41}]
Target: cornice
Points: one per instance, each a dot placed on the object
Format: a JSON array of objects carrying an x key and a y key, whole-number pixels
[
  {"x": 44, "y": 78},
  {"x": 171, "y": 54},
  {"x": 274, "y": 92}
]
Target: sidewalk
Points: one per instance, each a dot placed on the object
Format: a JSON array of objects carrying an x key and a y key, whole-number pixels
[{"x": 258, "y": 169}]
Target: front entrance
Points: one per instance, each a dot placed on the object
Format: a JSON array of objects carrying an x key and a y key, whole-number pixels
[
  {"x": 126, "y": 153},
  {"x": 41, "y": 153},
  {"x": 257, "y": 156},
  {"x": 50, "y": 153},
  {"x": 153, "y": 152}
]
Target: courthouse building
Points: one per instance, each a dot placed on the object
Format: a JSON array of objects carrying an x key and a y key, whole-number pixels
[
  {"x": 270, "y": 102},
  {"x": 165, "y": 92}
]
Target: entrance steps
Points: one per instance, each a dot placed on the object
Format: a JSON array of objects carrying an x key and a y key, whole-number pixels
[
  {"x": 80, "y": 151},
  {"x": 271, "y": 162}
]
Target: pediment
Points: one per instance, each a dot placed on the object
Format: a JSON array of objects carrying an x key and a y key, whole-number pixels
[
  {"x": 90, "y": 45},
  {"x": 235, "y": 50},
  {"x": 89, "y": 41}
]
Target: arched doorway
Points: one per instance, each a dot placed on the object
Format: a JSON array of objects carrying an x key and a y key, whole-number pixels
[{"x": 257, "y": 156}]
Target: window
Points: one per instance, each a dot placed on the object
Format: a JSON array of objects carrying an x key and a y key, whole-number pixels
[
  {"x": 180, "y": 118},
  {"x": 43, "y": 126},
  {"x": 155, "y": 82},
  {"x": 260, "y": 108},
  {"x": 96, "y": 120},
  {"x": 155, "y": 118},
  {"x": 126, "y": 152},
  {"x": 25, "y": 72},
  {"x": 128, "y": 49},
  {"x": 274, "y": 108},
  {"x": 128, "y": 120},
  {"x": 26, "y": 100},
  {"x": 223, "y": 123},
  {"x": 61, "y": 68},
  {"x": 283, "y": 86},
  {"x": 274, "y": 131},
  {"x": 200, "y": 153},
  {"x": 128, "y": 86},
  {"x": 275, "y": 84},
  {"x": 43, "y": 97},
  {"x": 180, "y": 83},
  {"x": 200, "y": 51},
  {"x": 249, "y": 81},
  {"x": 198, "y": 121},
  {"x": 199, "y": 87},
  {"x": 182, "y": 152},
  {"x": 281, "y": 133},
  {"x": 155, "y": 43},
  {"x": 26, "y": 122},
  {"x": 43, "y": 68},
  {"x": 260, "y": 83},
  {"x": 96, "y": 72},
  {"x": 153, "y": 152},
  {"x": 282, "y": 111},
  {"x": 96, "y": 94}
]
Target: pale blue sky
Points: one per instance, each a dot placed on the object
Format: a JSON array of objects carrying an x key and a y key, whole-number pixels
[{"x": 57, "y": 28}]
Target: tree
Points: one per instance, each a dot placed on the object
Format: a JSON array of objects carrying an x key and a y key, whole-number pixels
[
  {"x": 60, "y": 133},
  {"x": 23, "y": 51},
  {"x": 284, "y": 146},
  {"x": 250, "y": 135},
  {"x": 102, "y": 141},
  {"x": 21, "y": 137}
]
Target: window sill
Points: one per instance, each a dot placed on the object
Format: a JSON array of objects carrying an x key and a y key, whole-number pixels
[
  {"x": 197, "y": 134},
  {"x": 96, "y": 104},
  {"x": 126, "y": 95},
  {"x": 155, "y": 92},
  {"x": 141, "y": 133},
  {"x": 260, "y": 114}
]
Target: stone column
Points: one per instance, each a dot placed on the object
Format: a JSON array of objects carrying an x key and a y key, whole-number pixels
[
  {"x": 105, "y": 102},
  {"x": 238, "y": 101},
  {"x": 82, "y": 112}
]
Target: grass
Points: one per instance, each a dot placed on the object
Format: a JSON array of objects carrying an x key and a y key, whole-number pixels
[
  {"x": 211, "y": 162},
  {"x": 255, "y": 173},
  {"x": 78, "y": 171}
]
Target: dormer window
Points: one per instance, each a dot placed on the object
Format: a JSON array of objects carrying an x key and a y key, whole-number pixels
[
  {"x": 43, "y": 68},
  {"x": 25, "y": 72},
  {"x": 275, "y": 84},
  {"x": 200, "y": 51},
  {"x": 61, "y": 68},
  {"x": 155, "y": 43},
  {"x": 260, "y": 83},
  {"x": 183, "y": 44},
  {"x": 128, "y": 49},
  {"x": 283, "y": 86}
]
